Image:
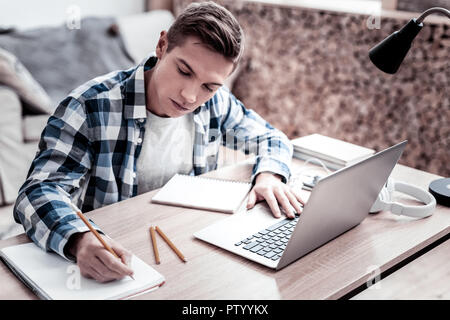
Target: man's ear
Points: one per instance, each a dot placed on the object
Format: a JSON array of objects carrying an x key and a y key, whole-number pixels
[{"x": 162, "y": 45}]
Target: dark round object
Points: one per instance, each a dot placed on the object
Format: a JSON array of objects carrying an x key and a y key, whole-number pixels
[{"x": 440, "y": 189}]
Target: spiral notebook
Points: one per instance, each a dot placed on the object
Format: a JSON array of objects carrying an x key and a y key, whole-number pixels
[
  {"x": 203, "y": 193},
  {"x": 51, "y": 277}
]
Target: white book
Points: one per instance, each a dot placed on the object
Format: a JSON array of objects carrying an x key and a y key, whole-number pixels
[
  {"x": 329, "y": 164},
  {"x": 52, "y": 277},
  {"x": 332, "y": 150},
  {"x": 203, "y": 193}
]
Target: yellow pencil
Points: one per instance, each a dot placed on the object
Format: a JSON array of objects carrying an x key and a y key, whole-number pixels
[
  {"x": 155, "y": 248},
  {"x": 96, "y": 234},
  {"x": 171, "y": 245}
]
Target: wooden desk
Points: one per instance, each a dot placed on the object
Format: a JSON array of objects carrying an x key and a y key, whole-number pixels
[
  {"x": 329, "y": 272},
  {"x": 427, "y": 277}
]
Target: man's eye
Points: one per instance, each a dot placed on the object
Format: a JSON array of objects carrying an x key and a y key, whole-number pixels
[
  {"x": 183, "y": 73},
  {"x": 208, "y": 88}
]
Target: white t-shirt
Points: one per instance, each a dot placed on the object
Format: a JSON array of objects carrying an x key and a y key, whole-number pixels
[{"x": 167, "y": 149}]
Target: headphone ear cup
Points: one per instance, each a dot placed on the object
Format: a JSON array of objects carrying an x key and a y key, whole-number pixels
[
  {"x": 384, "y": 194},
  {"x": 390, "y": 188},
  {"x": 376, "y": 206},
  {"x": 384, "y": 197},
  {"x": 379, "y": 203}
]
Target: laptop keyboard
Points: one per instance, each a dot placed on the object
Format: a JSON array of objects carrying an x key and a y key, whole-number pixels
[{"x": 270, "y": 242}]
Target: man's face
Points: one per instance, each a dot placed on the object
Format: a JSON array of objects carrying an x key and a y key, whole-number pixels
[{"x": 184, "y": 78}]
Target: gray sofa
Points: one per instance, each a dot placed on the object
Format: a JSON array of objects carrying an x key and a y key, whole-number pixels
[
  {"x": 39, "y": 67},
  {"x": 18, "y": 143}
]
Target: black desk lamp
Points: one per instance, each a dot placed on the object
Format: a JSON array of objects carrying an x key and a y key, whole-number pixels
[{"x": 388, "y": 55}]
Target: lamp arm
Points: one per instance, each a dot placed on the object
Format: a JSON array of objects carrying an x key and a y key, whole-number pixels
[{"x": 431, "y": 11}]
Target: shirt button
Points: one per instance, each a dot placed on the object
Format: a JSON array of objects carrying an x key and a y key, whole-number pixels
[
  {"x": 139, "y": 140},
  {"x": 141, "y": 120},
  {"x": 133, "y": 175}
]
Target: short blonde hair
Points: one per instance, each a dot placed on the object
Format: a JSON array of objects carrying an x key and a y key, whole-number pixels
[{"x": 214, "y": 25}]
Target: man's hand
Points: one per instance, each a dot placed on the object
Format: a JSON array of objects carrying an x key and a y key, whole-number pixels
[
  {"x": 98, "y": 263},
  {"x": 269, "y": 186}
]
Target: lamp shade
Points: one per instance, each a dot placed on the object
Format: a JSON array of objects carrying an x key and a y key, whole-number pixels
[{"x": 389, "y": 53}]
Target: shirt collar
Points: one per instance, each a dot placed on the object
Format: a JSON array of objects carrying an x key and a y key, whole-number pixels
[{"x": 134, "y": 90}]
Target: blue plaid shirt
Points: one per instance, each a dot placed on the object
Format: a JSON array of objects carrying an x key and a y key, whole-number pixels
[{"x": 89, "y": 148}]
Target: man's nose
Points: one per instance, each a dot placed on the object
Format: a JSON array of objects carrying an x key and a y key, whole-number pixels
[{"x": 189, "y": 94}]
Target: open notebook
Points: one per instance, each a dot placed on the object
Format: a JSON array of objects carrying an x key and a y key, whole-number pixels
[
  {"x": 52, "y": 277},
  {"x": 203, "y": 193}
]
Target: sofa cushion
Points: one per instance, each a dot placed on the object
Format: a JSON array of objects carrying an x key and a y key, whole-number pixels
[
  {"x": 32, "y": 127},
  {"x": 14, "y": 75},
  {"x": 140, "y": 32},
  {"x": 62, "y": 59},
  {"x": 11, "y": 119},
  {"x": 15, "y": 156}
]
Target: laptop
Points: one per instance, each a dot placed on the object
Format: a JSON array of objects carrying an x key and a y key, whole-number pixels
[{"x": 337, "y": 203}]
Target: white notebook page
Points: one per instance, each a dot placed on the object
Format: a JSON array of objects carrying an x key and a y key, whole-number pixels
[
  {"x": 53, "y": 277},
  {"x": 203, "y": 193}
]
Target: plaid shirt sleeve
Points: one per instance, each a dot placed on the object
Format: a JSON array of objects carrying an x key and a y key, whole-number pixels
[
  {"x": 63, "y": 159},
  {"x": 244, "y": 129}
]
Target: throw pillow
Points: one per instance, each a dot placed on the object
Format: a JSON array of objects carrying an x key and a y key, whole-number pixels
[{"x": 14, "y": 75}]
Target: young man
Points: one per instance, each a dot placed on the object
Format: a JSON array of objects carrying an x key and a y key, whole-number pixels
[{"x": 130, "y": 131}]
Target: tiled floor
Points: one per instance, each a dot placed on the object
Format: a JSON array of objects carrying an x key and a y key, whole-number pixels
[{"x": 8, "y": 227}]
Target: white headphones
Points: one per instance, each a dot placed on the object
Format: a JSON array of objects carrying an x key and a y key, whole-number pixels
[{"x": 386, "y": 202}]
